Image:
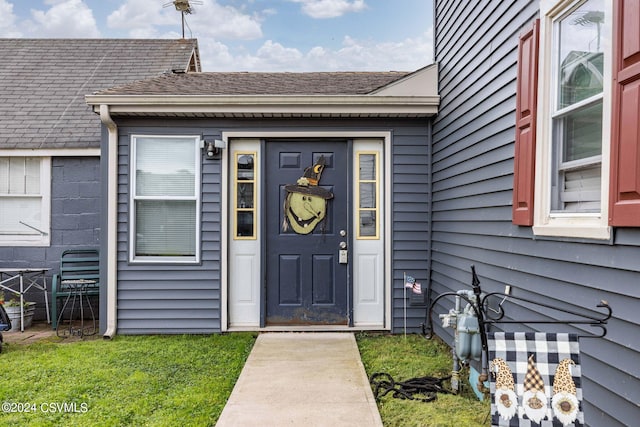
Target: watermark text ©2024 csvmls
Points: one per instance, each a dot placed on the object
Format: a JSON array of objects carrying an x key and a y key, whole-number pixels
[{"x": 46, "y": 407}]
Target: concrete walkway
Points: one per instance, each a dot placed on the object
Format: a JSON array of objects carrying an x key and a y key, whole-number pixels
[{"x": 302, "y": 379}]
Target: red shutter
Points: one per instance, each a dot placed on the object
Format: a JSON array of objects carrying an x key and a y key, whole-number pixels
[
  {"x": 526, "y": 112},
  {"x": 624, "y": 197}
]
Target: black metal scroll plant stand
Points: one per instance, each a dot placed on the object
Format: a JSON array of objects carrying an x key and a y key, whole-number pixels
[{"x": 488, "y": 315}]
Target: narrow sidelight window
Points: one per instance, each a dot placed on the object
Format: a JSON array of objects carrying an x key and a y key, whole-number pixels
[
  {"x": 245, "y": 195},
  {"x": 368, "y": 197}
]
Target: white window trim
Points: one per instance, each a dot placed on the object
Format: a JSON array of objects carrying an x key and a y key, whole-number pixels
[
  {"x": 45, "y": 192},
  {"x": 578, "y": 225},
  {"x": 132, "y": 211}
]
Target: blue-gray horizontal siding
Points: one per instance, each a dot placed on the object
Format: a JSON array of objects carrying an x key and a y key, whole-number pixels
[
  {"x": 410, "y": 225},
  {"x": 473, "y": 145},
  {"x": 176, "y": 299},
  {"x": 169, "y": 298},
  {"x": 75, "y": 221}
]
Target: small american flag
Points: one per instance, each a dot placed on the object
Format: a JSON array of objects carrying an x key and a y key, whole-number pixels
[
  {"x": 415, "y": 286},
  {"x": 410, "y": 281}
]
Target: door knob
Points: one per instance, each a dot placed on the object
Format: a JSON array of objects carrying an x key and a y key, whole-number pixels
[{"x": 343, "y": 245}]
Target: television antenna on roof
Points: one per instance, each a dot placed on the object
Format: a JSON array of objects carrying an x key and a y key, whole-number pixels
[
  {"x": 184, "y": 7},
  {"x": 588, "y": 18}
]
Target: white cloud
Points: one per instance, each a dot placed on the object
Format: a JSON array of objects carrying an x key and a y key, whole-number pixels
[
  {"x": 354, "y": 55},
  {"x": 221, "y": 32},
  {"x": 209, "y": 20},
  {"x": 140, "y": 20},
  {"x": 405, "y": 55},
  {"x": 330, "y": 8},
  {"x": 65, "y": 18},
  {"x": 8, "y": 27},
  {"x": 278, "y": 57},
  {"x": 224, "y": 22},
  {"x": 366, "y": 55}
]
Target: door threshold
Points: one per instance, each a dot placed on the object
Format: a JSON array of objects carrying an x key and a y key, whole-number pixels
[{"x": 307, "y": 328}]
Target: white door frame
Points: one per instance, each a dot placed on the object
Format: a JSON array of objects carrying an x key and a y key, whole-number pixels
[{"x": 225, "y": 222}]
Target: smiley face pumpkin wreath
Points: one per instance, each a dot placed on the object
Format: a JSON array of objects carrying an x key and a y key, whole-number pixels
[{"x": 305, "y": 205}]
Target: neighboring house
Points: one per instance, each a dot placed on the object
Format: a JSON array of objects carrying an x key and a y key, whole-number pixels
[
  {"x": 536, "y": 178},
  {"x": 50, "y": 191},
  {"x": 201, "y": 243}
]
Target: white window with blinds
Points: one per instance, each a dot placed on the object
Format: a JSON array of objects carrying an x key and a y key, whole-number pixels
[
  {"x": 574, "y": 115},
  {"x": 165, "y": 199},
  {"x": 25, "y": 201},
  {"x": 577, "y": 113}
]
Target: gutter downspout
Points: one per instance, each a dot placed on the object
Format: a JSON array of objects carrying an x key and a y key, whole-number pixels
[{"x": 112, "y": 212}]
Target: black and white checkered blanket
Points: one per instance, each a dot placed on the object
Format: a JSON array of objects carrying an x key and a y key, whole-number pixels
[{"x": 548, "y": 349}]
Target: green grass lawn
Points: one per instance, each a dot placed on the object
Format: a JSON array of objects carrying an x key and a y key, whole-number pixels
[
  {"x": 138, "y": 381},
  {"x": 410, "y": 357},
  {"x": 186, "y": 380}
]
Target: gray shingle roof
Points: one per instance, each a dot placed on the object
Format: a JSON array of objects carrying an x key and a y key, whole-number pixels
[
  {"x": 243, "y": 83},
  {"x": 43, "y": 83}
]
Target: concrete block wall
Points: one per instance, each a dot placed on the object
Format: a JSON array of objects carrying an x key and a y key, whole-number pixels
[{"x": 75, "y": 221}]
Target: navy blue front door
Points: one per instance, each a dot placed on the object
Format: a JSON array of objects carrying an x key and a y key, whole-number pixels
[{"x": 306, "y": 284}]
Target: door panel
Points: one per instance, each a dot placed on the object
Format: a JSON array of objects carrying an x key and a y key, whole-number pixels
[
  {"x": 289, "y": 284},
  {"x": 323, "y": 279},
  {"x": 305, "y": 283}
]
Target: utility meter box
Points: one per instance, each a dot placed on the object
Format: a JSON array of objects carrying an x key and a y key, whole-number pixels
[{"x": 468, "y": 343}]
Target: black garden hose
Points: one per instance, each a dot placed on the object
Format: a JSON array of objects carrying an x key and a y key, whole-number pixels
[{"x": 424, "y": 389}]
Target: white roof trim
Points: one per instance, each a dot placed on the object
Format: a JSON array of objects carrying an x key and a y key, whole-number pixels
[
  {"x": 50, "y": 152},
  {"x": 423, "y": 82},
  {"x": 268, "y": 104}
]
